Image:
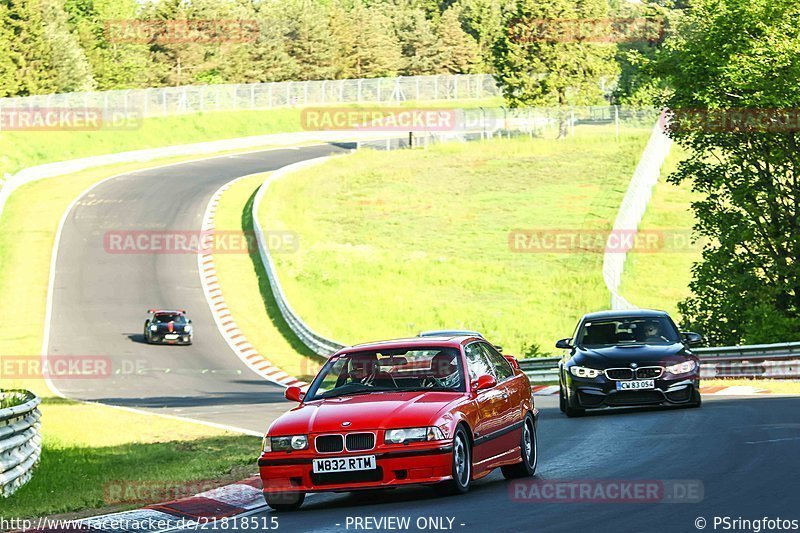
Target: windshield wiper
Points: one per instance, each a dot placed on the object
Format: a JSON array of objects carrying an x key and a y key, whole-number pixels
[
  {"x": 414, "y": 389},
  {"x": 354, "y": 393}
]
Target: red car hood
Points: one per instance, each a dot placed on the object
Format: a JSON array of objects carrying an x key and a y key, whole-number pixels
[{"x": 366, "y": 411}]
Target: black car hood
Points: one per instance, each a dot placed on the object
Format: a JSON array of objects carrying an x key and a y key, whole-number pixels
[{"x": 641, "y": 354}]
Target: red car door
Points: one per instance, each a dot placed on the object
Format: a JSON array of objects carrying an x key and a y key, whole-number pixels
[
  {"x": 516, "y": 387},
  {"x": 493, "y": 408}
]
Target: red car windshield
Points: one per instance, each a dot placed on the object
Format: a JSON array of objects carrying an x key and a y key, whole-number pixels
[{"x": 364, "y": 372}]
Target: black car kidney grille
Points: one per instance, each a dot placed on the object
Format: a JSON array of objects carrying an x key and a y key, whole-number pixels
[
  {"x": 649, "y": 372},
  {"x": 329, "y": 443},
  {"x": 360, "y": 441},
  {"x": 619, "y": 373}
]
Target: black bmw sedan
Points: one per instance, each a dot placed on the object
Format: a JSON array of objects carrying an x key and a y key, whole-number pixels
[{"x": 628, "y": 358}]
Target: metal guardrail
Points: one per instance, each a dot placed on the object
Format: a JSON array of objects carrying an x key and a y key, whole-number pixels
[
  {"x": 317, "y": 343},
  {"x": 768, "y": 361},
  {"x": 632, "y": 209},
  {"x": 20, "y": 441}
]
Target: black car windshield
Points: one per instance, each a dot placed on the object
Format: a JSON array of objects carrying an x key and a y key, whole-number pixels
[
  {"x": 623, "y": 331},
  {"x": 165, "y": 318},
  {"x": 366, "y": 372}
]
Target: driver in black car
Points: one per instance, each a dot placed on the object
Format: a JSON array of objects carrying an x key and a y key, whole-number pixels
[{"x": 652, "y": 333}]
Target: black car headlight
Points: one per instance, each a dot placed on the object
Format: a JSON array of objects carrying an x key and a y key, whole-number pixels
[
  {"x": 584, "y": 372},
  {"x": 682, "y": 368},
  {"x": 284, "y": 444}
]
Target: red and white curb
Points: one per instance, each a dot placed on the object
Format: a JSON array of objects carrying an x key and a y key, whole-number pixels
[
  {"x": 219, "y": 309},
  {"x": 738, "y": 390},
  {"x": 203, "y": 508}
]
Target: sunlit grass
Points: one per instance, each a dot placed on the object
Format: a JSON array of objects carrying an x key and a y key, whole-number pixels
[{"x": 394, "y": 243}]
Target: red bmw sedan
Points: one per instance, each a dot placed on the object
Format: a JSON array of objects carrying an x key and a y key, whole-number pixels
[{"x": 440, "y": 411}]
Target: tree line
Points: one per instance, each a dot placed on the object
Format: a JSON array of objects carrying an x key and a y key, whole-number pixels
[
  {"x": 52, "y": 46},
  {"x": 49, "y": 46}
]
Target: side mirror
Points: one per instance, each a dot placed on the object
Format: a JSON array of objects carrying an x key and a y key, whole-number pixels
[
  {"x": 512, "y": 361},
  {"x": 564, "y": 344},
  {"x": 691, "y": 338},
  {"x": 484, "y": 382},
  {"x": 190, "y": 321},
  {"x": 294, "y": 394}
]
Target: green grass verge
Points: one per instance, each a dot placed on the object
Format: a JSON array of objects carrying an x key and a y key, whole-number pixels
[
  {"x": 247, "y": 292},
  {"x": 660, "y": 278},
  {"x": 394, "y": 243},
  {"x": 123, "y": 454},
  {"x": 20, "y": 149}
]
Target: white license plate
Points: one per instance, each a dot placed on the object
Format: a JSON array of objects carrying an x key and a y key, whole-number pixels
[
  {"x": 171, "y": 337},
  {"x": 344, "y": 464},
  {"x": 638, "y": 384}
]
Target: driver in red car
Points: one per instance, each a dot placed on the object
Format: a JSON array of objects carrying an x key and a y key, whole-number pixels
[{"x": 444, "y": 371}]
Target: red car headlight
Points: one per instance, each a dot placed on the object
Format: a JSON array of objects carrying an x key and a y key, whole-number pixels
[
  {"x": 285, "y": 444},
  {"x": 402, "y": 436}
]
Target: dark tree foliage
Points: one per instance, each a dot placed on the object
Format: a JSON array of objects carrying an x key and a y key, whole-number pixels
[{"x": 734, "y": 72}]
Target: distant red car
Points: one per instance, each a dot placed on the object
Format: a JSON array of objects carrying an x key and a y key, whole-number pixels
[{"x": 442, "y": 411}]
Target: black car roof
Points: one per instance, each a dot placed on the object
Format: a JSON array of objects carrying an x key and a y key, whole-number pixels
[{"x": 626, "y": 313}]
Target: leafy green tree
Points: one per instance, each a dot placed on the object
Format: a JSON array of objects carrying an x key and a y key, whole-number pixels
[
  {"x": 10, "y": 58},
  {"x": 30, "y": 51},
  {"x": 552, "y": 68},
  {"x": 268, "y": 58},
  {"x": 373, "y": 49},
  {"x": 734, "y": 71},
  {"x": 69, "y": 68},
  {"x": 309, "y": 40},
  {"x": 483, "y": 20},
  {"x": 458, "y": 52},
  {"x": 418, "y": 42},
  {"x": 114, "y": 64}
]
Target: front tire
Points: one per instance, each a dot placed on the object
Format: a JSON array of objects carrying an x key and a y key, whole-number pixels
[
  {"x": 566, "y": 408},
  {"x": 285, "y": 501},
  {"x": 462, "y": 466},
  {"x": 697, "y": 400},
  {"x": 528, "y": 450}
]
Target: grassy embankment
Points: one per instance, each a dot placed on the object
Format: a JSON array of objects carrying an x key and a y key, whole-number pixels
[{"x": 394, "y": 243}]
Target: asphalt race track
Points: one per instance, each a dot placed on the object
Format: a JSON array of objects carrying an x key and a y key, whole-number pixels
[
  {"x": 735, "y": 457},
  {"x": 100, "y": 299},
  {"x": 741, "y": 452}
]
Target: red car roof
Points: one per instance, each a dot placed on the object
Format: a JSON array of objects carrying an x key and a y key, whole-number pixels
[{"x": 412, "y": 342}]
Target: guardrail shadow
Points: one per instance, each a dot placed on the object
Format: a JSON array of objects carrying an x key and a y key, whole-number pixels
[{"x": 265, "y": 290}]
